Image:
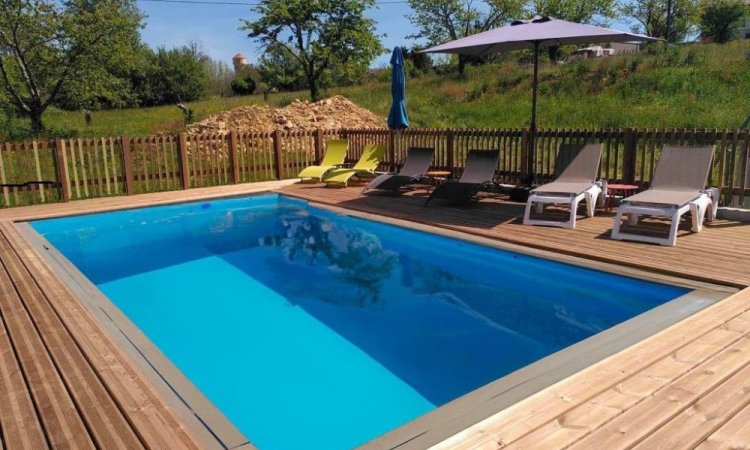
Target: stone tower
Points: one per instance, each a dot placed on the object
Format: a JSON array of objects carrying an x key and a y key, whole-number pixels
[{"x": 239, "y": 61}]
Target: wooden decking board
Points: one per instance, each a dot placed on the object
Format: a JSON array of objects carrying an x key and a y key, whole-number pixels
[
  {"x": 19, "y": 424},
  {"x": 105, "y": 422},
  {"x": 694, "y": 424},
  {"x": 734, "y": 434},
  {"x": 147, "y": 414}
]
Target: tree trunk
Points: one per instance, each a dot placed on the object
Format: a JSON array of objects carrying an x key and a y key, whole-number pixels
[
  {"x": 461, "y": 65},
  {"x": 553, "y": 53},
  {"x": 37, "y": 126},
  {"x": 314, "y": 89}
]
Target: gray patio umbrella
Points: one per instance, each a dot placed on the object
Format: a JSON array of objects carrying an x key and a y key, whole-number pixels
[{"x": 539, "y": 32}]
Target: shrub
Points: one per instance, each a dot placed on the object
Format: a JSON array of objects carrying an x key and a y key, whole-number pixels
[
  {"x": 243, "y": 84},
  {"x": 721, "y": 20}
]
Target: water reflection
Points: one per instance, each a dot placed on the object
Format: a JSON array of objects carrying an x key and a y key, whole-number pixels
[{"x": 354, "y": 257}]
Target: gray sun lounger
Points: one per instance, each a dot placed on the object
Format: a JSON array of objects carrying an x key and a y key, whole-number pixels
[
  {"x": 479, "y": 171},
  {"x": 678, "y": 187},
  {"x": 417, "y": 164},
  {"x": 577, "y": 169}
]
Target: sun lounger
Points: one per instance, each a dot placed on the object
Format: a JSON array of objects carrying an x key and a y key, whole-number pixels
[
  {"x": 479, "y": 171},
  {"x": 418, "y": 162},
  {"x": 333, "y": 158},
  {"x": 577, "y": 167},
  {"x": 678, "y": 187},
  {"x": 365, "y": 167}
]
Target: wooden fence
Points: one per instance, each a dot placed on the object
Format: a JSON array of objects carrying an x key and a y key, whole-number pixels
[{"x": 72, "y": 169}]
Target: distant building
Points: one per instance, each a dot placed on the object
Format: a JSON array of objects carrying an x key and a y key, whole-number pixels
[
  {"x": 594, "y": 52},
  {"x": 624, "y": 47},
  {"x": 239, "y": 62}
]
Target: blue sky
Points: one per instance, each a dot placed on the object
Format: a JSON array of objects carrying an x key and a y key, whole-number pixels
[{"x": 216, "y": 27}]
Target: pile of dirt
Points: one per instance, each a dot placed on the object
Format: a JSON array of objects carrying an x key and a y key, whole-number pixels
[{"x": 334, "y": 112}]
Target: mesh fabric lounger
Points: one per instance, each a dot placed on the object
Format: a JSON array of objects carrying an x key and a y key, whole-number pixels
[
  {"x": 479, "y": 171},
  {"x": 418, "y": 162},
  {"x": 678, "y": 187},
  {"x": 577, "y": 166},
  {"x": 333, "y": 158},
  {"x": 368, "y": 162}
]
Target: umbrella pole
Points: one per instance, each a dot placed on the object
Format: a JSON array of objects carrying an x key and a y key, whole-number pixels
[{"x": 532, "y": 137}]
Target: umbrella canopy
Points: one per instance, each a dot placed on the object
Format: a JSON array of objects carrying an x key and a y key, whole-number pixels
[
  {"x": 534, "y": 34},
  {"x": 397, "y": 118}
]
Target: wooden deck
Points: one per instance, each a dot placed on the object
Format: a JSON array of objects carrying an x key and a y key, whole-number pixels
[{"x": 64, "y": 383}]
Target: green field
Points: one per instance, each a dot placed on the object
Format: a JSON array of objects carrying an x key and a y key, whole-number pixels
[{"x": 693, "y": 86}]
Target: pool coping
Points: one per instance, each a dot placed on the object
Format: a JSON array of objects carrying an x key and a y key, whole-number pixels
[{"x": 216, "y": 431}]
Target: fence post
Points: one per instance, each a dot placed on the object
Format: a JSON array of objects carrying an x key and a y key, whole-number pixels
[
  {"x": 62, "y": 169},
  {"x": 449, "y": 149},
  {"x": 182, "y": 159},
  {"x": 525, "y": 169},
  {"x": 234, "y": 165},
  {"x": 630, "y": 148},
  {"x": 127, "y": 164},
  {"x": 319, "y": 141},
  {"x": 277, "y": 153}
]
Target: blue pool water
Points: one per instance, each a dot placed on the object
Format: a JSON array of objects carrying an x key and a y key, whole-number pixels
[{"x": 313, "y": 330}]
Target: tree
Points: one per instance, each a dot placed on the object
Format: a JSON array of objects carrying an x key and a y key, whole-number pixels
[
  {"x": 422, "y": 62},
  {"x": 721, "y": 20},
  {"x": 280, "y": 70},
  {"x": 170, "y": 76},
  {"x": 438, "y": 21},
  {"x": 243, "y": 83},
  {"x": 672, "y": 20},
  {"x": 46, "y": 45},
  {"x": 323, "y": 36},
  {"x": 581, "y": 11},
  {"x": 220, "y": 76}
]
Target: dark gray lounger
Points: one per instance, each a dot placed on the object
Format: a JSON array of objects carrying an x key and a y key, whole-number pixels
[
  {"x": 418, "y": 162},
  {"x": 479, "y": 171}
]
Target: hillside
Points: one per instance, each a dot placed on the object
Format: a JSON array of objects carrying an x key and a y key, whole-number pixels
[{"x": 691, "y": 86}]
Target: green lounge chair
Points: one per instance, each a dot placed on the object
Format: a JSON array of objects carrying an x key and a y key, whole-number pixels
[
  {"x": 334, "y": 157},
  {"x": 365, "y": 167}
]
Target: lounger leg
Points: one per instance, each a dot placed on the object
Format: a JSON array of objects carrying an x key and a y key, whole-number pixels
[
  {"x": 617, "y": 224},
  {"x": 527, "y": 212},
  {"x": 539, "y": 207},
  {"x": 633, "y": 218},
  {"x": 712, "y": 210},
  {"x": 698, "y": 213},
  {"x": 573, "y": 213},
  {"x": 590, "y": 203},
  {"x": 672, "y": 239}
]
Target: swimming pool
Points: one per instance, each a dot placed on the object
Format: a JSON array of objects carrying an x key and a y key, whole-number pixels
[{"x": 308, "y": 328}]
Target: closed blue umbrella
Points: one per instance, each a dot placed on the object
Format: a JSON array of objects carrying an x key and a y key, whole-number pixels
[{"x": 397, "y": 118}]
